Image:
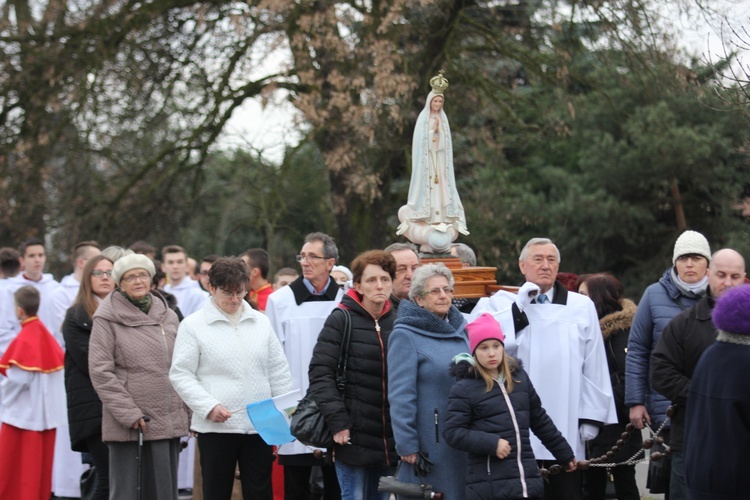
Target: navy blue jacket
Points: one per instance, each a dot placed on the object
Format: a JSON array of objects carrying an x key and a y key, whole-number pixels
[
  {"x": 717, "y": 424},
  {"x": 477, "y": 419}
]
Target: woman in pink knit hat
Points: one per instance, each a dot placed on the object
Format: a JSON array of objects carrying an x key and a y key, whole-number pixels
[{"x": 491, "y": 410}]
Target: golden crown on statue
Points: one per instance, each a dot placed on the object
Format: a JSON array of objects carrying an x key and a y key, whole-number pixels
[{"x": 439, "y": 83}]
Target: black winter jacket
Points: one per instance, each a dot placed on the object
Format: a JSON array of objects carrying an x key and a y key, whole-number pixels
[
  {"x": 676, "y": 355},
  {"x": 364, "y": 409},
  {"x": 84, "y": 405},
  {"x": 477, "y": 419}
]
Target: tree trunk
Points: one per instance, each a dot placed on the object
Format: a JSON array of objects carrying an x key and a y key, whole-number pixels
[{"x": 679, "y": 211}]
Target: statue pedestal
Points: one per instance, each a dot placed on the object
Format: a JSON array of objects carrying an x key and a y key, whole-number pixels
[{"x": 470, "y": 282}]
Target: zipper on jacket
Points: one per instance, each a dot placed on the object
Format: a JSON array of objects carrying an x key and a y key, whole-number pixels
[
  {"x": 437, "y": 430},
  {"x": 521, "y": 473},
  {"x": 488, "y": 466},
  {"x": 384, "y": 397}
]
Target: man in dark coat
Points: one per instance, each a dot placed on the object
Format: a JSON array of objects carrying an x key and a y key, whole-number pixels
[{"x": 680, "y": 347}]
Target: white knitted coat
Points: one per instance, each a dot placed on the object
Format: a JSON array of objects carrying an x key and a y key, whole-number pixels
[{"x": 216, "y": 362}]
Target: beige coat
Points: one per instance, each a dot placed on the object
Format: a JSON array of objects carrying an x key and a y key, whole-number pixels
[{"x": 129, "y": 358}]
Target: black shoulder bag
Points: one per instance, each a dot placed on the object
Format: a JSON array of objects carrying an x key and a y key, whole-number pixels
[{"x": 307, "y": 422}]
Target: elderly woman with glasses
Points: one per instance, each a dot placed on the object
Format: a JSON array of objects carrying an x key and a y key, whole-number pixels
[
  {"x": 428, "y": 333},
  {"x": 129, "y": 358},
  {"x": 227, "y": 356},
  {"x": 84, "y": 406}
]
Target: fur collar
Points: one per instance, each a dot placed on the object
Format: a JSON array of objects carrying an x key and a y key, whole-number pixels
[
  {"x": 619, "y": 320},
  {"x": 733, "y": 338}
]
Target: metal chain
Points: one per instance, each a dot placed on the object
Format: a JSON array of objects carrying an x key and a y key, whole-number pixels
[
  {"x": 629, "y": 429},
  {"x": 646, "y": 445}
]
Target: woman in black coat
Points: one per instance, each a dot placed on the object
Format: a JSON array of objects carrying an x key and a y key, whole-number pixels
[
  {"x": 84, "y": 406},
  {"x": 615, "y": 318},
  {"x": 491, "y": 411},
  {"x": 360, "y": 418}
]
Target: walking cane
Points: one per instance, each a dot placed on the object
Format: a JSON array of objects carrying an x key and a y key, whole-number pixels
[{"x": 140, "y": 457}]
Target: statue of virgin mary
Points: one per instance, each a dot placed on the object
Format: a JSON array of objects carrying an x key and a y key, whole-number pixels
[{"x": 433, "y": 197}]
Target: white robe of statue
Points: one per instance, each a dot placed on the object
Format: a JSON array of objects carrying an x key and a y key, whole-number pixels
[{"x": 433, "y": 215}]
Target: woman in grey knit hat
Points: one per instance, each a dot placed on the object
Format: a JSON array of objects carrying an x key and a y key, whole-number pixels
[{"x": 130, "y": 352}]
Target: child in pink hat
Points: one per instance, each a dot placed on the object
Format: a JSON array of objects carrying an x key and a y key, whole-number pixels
[{"x": 491, "y": 410}]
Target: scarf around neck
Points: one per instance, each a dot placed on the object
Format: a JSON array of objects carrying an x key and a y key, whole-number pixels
[
  {"x": 143, "y": 304},
  {"x": 690, "y": 289}
]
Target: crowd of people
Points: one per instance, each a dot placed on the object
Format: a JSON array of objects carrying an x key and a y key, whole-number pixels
[{"x": 541, "y": 392}]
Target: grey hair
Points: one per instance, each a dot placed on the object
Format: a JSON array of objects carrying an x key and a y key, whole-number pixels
[
  {"x": 538, "y": 241},
  {"x": 465, "y": 253},
  {"x": 397, "y": 247},
  {"x": 114, "y": 253},
  {"x": 423, "y": 274},
  {"x": 330, "y": 251}
]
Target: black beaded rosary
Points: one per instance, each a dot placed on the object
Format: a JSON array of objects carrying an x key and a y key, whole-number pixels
[{"x": 605, "y": 460}]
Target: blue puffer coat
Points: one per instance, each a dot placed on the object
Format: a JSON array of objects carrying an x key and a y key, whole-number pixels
[
  {"x": 661, "y": 302},
  {"x": 477, "y": 420}
]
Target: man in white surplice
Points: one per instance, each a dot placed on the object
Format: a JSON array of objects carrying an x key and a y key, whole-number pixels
[
  {"x": 555, "y": 334},
  {"x": 297, "y": 313}
]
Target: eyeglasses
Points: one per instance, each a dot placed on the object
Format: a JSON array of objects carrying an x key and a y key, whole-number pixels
[
  {"x": 134, "y": 277},
  {"x": 100, "y": 274},
  {"x": 231, "y": 295},
  {"x": 204, "y": 272},
  {"x": 309, "y": 258},
  {"x": 435, "y": 292}
]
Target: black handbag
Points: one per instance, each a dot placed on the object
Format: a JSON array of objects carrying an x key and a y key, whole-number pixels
[{"x": 307, "y": 422}]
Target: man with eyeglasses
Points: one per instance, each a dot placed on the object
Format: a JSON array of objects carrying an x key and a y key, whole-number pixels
[
  {"x": 297, "y": 313},
  {"x": 63, "y": 297},
  {"x": 407, "y": 261},
  {"x": 556, "y": 334}
]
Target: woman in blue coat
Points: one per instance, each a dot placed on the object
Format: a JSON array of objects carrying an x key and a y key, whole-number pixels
[
  {"x": 426, "y": 336},
  {"x": 491, "y": 410},
  {"x": 679, "y": 288}
]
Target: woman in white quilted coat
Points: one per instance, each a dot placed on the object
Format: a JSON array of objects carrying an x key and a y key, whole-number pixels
[{"x": 227, "y": 356}]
